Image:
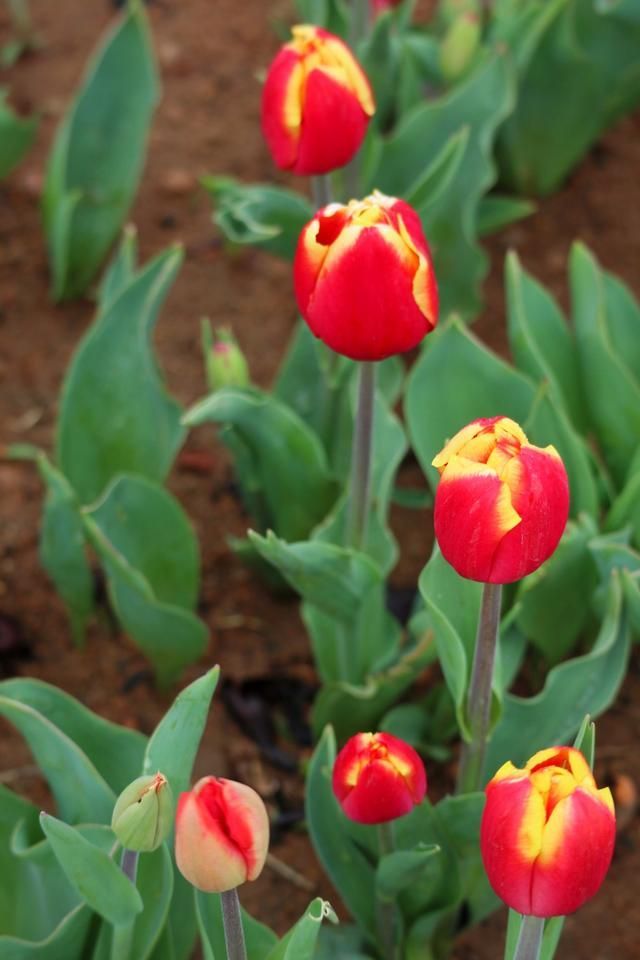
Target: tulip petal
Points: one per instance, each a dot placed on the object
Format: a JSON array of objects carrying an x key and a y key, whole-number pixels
[
  {"x": 540, "y": 494},
  {"x": 333, "y": 125},
  {"x": 281, "y": 112},
  {"x": 473, "y": 514},
  {"x": 576, "y": 852}
]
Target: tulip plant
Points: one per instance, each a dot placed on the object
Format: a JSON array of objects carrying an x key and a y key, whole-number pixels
[{"x": 534, "y": 471}]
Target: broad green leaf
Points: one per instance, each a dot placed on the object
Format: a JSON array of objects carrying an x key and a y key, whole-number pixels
[
  {"x": 150, "y": 555},
  {"x": 332, "y": 835},
  {"x": 16, "y": 136},
  {"x": 439, "y": 883},
  {"x": 455, "y": 381},
  {"x": 300, "y": 942},
  {"x": 623, "y": 321},
  {"x": 553, "y": 607},
  {"x": 332, "y": 578},
  {"x": 179, "y": 935},
  {"x": 61, "y": 944},
  {"x": 259, "y": 939},
  {"x": 98, "y": 154},
  {"x": 479, "y": 104},
  {"x": 625, "y": 510},
  {"x": 174, "y": 743},
  {"x": 585, "y": 684},
  {"x": 97, "y": 878},
  {"x": 541, "y": 343},
  {"x": 80, "y": 792},
  {"x": 116, "y": 752},
  {"x": 631, "y": 586},
  {"x": 457, "y": 599},
  {"x": 288, "y": 463},
  {"x": 400, "y": 869},
  {"x": 62, "y": 548},
  {"x": 613, "y": 395},
  {"x": 258, "y": 214},
  {"x": 115, "y": 415}
]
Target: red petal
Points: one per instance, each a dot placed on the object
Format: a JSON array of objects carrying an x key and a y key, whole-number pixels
[
  {"x": 283, "y": 143},
  {"x": 333, "y": 125}
]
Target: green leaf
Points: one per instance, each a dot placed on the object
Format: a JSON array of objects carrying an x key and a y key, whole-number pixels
[
  {"x": 62, "y": 548},
  {"x": 479, "y": 104},
  {"x": 258, "y": 214},
  {"x": 625, "y": 510},
  {"x": 613, "y": 397},
  {"x": 287, "y": 462},
  {"x": 121, "y": 269},
  {"x": 333, "y": 837},
  {"x": 61, "y": 944},
  {"x": 116, "y": 752},
  {"x": 80, "y": 792},
  {"x": 443, "y": 395},
  {"x": 155, "y": 885},
  {"x": 586, "y": 684},
  {"x": 552, "y": 603},
  {"x": 97, "y": 878},
  {"x": 173, "y": 745},
  {"x": 541, "y": 343},
  {"x": 300, "y": 942},
  {"x": 98, "y": 154},
  {"x": 150, "y": 555},
  {"x": 400, "y": 869},
  {"x": 16, "y": 136},
  {"x": 495, "y": 212},
  {"x": 115, "y": 415},
  {"x": 259, "y": 939}
]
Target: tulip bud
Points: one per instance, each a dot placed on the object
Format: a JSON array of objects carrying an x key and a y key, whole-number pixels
[
  {"x": 143, "y": 814},
  {"x": 225, "y": 362},
  {"x": 459, "y": 46},
  {"x": 316, "y": 103},
  {"x": 222, "y": 834},
  {"x": 379, "y": 6},
  {"x": 378, "y": 777},
  {"x": 364, "y": 279},
  {"x": 501, "y": 505},
  {"x": 547, "y": 833}
]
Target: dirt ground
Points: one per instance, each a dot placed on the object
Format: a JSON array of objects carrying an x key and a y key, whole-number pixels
[{"x": 210, "y": 55}]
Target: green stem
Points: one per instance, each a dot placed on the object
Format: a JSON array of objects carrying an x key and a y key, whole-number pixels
[
  {"x": 232, "y": 921},
  {"x": 360, "y": 21},
  {"x": 321, "y": 190},
  {"x": 122, "y": 938},
  {"x": 388, "y": 926},
  {"x": 530, "y": 939},
  {"x": 480, "y": 691},
  {"x": 361, "y": 458}
]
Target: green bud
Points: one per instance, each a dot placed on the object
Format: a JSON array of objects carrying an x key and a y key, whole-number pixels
[
  {"x": 451, "y": 10},
  {"x": 459, "y": 46},
  {"x": 225, "y": 362},
  {"x": 143, "y": 814}
]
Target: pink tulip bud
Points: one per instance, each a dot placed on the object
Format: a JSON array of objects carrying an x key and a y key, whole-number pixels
[{"x": 222, "y": 834}]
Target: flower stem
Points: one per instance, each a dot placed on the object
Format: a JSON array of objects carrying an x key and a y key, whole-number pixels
[
  {"x": 360, "y": 21},
  {"x": 480, "y": 688},
  {"x": 129, "y": 864},
  {"x": 321, "y": 190},
  {"x": 232, "y": 921},
  {"x": 361, "y": 459},
  {"x": 530, "y": 939},
  {"x": 387, "y": 911},
  {"x": 122, "y": 937}
]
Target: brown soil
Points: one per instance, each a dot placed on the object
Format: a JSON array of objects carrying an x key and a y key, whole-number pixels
[{"x": 210, "y": 55}]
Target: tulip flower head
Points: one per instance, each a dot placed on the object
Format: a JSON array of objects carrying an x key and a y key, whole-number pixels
[
  {"x": 143, "y": 814},
  {"x": 222, "y": 834},
  {"x": 378, "y": 777},
  {"x": 547, "y": 833},
  {"x": 316, "y": 103},
  {"x": 501, "y": 505},
  {"x": 364, "y": 279}
]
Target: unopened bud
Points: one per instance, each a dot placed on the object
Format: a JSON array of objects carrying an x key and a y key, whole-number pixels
[
  {"x": 225, "y": 362},
  {"x": 459, "y": 46},
  {"x": 143, "y": 814}
]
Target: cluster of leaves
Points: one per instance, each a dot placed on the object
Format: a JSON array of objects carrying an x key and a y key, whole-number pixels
[
  {"x": 87, "y": 909},
  {"x": 117, "y": 435}
]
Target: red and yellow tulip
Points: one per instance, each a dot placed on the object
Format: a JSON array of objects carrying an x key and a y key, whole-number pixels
[
  {"x": 316, "y": 103},
  {"x": 378, "y": 777},
  {"x": 364, "y": 279},
  {"x": 222, "y": 834},
  {"x": 502, "y": 503},
  {"x": 547, "y": 833}
]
